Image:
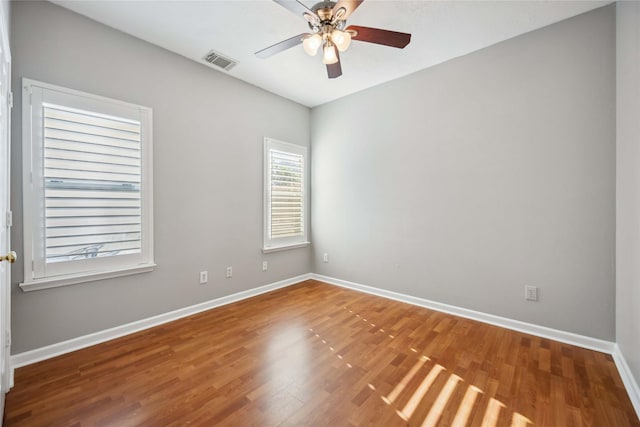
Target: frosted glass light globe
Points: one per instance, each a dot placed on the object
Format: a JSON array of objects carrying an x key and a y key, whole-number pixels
[
  {"x": 342, "y": 39},
  {"x": 311, "y": 44}
]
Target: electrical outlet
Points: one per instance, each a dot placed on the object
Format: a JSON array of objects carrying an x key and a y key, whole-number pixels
[
  {"x": 204, "y": 277},
  {"x": 325, "y": 257},
  {"x": 229, "y": 272},
  {"x": 265, "y": 265},
  {"x": 531, "y": 293}
]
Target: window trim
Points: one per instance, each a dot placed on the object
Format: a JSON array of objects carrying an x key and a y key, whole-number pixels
[
  {"x": 32, "y": 198},
  {"x": 73, "y": 279},
  {"x": 281, "y": 244}
]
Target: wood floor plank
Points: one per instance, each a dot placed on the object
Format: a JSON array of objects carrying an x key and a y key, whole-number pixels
[{"x": 319, "y": 355}]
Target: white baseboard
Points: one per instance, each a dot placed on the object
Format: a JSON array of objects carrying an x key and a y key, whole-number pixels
[
  {"x": 516, "y": 325},
  {"x": 57, "y": 349},
  {"x": 627, "y": 378}
]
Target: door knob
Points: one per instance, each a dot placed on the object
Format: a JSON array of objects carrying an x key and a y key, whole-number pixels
[{"x": 11, "y": 257}]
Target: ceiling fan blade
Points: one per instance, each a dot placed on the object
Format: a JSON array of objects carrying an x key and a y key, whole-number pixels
[
  {"x": 299, "y": 9},
  {"x": 335, "y": 70},
  {"x": 378, "y": 36},
  {"x": 279, "y": 47},
  {"x": 348, "y": 5}
]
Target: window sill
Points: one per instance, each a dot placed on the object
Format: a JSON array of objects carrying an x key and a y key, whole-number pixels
[
  {"x": 284, "y": 247},
  {"x": 72, "y": 279}
]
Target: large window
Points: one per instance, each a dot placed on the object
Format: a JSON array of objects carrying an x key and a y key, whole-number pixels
[
  {"x": 87, "y": 190},
  {"x": 285, "y": 196}
]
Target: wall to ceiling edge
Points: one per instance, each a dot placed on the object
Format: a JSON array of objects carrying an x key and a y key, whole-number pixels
[
  {"x": 208, "y": 135},
  {"x": 464, "y": 182}
]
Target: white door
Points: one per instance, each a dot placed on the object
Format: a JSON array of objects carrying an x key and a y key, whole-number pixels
[{"x": 5, "y": 214}]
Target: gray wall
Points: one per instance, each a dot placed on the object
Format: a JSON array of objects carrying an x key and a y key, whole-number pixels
[
  {"x": 628, "y": 184},
  {"x": 465, "y": 181},
  {"x": 460, "y": 183},
  {"x": 208, "y": 131}
]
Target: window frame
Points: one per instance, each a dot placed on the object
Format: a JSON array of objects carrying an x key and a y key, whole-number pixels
[
  {"x": 37, "y": 274},
  {"x": 284, "y": 243}
]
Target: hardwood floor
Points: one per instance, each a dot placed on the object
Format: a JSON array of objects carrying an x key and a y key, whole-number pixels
[{"x": 315, "y": 354}]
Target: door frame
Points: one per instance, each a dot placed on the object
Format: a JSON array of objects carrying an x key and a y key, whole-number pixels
[{"x": 6, "y": 101}]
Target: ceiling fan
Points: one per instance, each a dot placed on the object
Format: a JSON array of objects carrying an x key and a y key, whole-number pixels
[{"x": 327, "y": 21}]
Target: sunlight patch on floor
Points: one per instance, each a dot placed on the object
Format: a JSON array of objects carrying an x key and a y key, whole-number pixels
[
  {"x": 492, "y": 413},
  {"x": 465, "y": 408},
  {"x": 403, "y": 383},
  {"x": 422, "y": 389},
  {"x": 441, "y": 401},
  {"x": 520, "y": 420}
]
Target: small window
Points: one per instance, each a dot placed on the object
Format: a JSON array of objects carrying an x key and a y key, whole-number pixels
[
  {"x": 86, "y": 187},
  {"x": 285, "y": 196}
]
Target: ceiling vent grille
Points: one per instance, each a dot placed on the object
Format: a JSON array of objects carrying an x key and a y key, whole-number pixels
[{"x": 214, "y": 58}]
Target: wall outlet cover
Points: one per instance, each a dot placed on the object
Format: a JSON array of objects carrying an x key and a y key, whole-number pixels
[
  {"x": 531, "y": 293},
  {"x": 204, "y": 277}
]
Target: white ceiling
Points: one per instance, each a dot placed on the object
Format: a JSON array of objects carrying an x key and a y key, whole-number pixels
[{"x": 441, "y": 30}]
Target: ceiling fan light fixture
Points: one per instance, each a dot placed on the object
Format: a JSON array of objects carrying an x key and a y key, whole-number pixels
[
  {"x": 329, "y": 54},
  {"x": 311, "y": 44},
  {"x": 342, "y": 39},
  {"x": 327, "y": 22}
]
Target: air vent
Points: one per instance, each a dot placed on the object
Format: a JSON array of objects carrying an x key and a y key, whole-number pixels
[{"x": 219, "y": 60}]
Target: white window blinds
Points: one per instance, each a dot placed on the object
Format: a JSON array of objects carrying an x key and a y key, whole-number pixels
[
  {"x": 87, "y": 186},
  {"x": 287, "y": 198},
  {"x": 286, "y": 201},
  {"x": 92, "y": 176}
]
